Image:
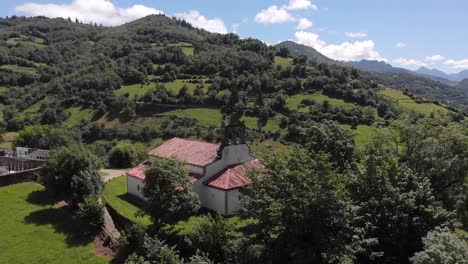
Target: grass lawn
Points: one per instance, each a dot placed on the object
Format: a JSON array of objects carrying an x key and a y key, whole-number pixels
[
  {"x": 35, "y": 231},
  {"x": 205, "y": 116},
  {"x": 77, "y": 115},
  {"x": 408, "y": 104},
  {"x": 295, "y": 100},
  {"x": 19, "y": 69},
  {"x": 282, "y": 61},
  {"x": 115, "y": 194}
]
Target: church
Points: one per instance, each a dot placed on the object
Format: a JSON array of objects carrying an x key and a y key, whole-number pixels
[{"x": 218, "y": 172}]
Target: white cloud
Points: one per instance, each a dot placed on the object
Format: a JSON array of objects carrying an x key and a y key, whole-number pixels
[
  {"x": 235, "y": 27},
  {"x": 409, "y": 62},
  {"x": 434, "y": 58},
  {"x": 99, "y": 11},
  {"x": 304, "y": 23},
  {"x": 400, "y": 45},
  {"x": 196, "y": 19},
  {"x": 345, "y": 51},
  {"x": 274, "y": 15},
  {"x": 356, "y": 34},
  {"x": 300, "y": 5},
  {"x": 457, "y": 64}
]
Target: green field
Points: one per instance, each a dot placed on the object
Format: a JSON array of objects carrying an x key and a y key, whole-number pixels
[
  {"x": 32, "y": 109},
  {"x": 35, "y": 43},
  {"x": 362, "y": 133},
  {"x": 408, "y": 104},
  {"x": 33, "y": 230},
  {"x": 295, "y": 100},
  {"x": 205, "y": 116},
  {"x": 141, "y": 89},
  {"x": 272, "y": 125},
  {"x": 19, "y": 69},
  {"x": 282, "y": 61},
  {"x": 268, "y": 147},
  {"x": 78, "y": 115}
]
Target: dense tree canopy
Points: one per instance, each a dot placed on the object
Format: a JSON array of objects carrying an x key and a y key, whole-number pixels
[
  {"x": 303, "y": 214},
  {"x": 168, "y": 191}
]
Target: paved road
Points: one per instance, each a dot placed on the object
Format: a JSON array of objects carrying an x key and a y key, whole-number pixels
[{"x": 111, "y": 174}]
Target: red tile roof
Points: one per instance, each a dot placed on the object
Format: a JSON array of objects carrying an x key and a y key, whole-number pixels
[
  {"x": 192, "y": 152},
  {"x": 234, "y": 176},
  {"x": 139, "y": 172}
]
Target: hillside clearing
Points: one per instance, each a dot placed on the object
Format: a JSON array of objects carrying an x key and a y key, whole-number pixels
[
  {"x": 19, "y": 69},
  {"x": 283, "y": 62},
  {"x": 408, "y": 104},
  {"x": 295, "y": 100}
]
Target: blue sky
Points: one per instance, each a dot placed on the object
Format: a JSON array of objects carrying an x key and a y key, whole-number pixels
[{"x": 405, "y": 33}]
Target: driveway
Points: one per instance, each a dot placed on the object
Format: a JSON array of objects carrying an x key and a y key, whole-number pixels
[{"x": 110, "y": 174}]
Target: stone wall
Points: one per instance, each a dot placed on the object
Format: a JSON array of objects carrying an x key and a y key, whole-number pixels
[
  {"x": 20, "y": 176},
  {"x": 14, "y": 164}
]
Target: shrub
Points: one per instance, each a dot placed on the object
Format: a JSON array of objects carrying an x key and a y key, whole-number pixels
[
  {"x": 91, "y": 212},
  {"x": 125, "y": 156}
]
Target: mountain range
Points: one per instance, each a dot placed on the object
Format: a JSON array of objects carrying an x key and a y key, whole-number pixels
[
  {"x": 455, "y": 77},
  {"x": 435, "y": 74},
  {"x": 386, "y": 74}
]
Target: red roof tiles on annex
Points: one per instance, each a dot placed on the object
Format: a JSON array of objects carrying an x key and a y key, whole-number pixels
[
  {"x": 192, "y": 152},
  {"x": 234, "y": 176}
]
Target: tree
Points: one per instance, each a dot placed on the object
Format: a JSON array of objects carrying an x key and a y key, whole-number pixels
[
  {"x": 328, "y": 137},
  {"x": 303, "y": 215},
  {"x": 168, "y": 191},
  {"x": 87, "y": 182},
  {"x": 65, "y": 164},
  {"x": 91, "y": 212},
  {"x": 213, "y": 236},
  {"x": 44, "y": 137},
  {"x": 442, "y": 246},
  {"x": 154, "y": 250},
  {"x": 396, "y": 208},
  {"x": 125, "y": 156}
]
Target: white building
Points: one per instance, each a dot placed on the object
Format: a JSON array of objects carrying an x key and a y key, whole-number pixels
[{"x": 218, "y": 171}]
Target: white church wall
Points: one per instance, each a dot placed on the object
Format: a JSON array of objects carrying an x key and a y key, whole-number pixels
[
  {"x": 214, "y": 199},
  {"x": 194, "y": 169},
  {"x": 233, "y": 201},
  {"x": 135, "y": 186},
  {"x": 231, "y": 155}
]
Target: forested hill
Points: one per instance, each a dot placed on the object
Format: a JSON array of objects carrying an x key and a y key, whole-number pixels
[
  {"x": 385, "y": 74},
  {"x": 149, "y": 74}
]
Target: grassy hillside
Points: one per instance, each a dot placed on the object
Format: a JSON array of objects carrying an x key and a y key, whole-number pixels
[
  {"x": 34, "y": 230},
  {"x": 408, "y": 104}
]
